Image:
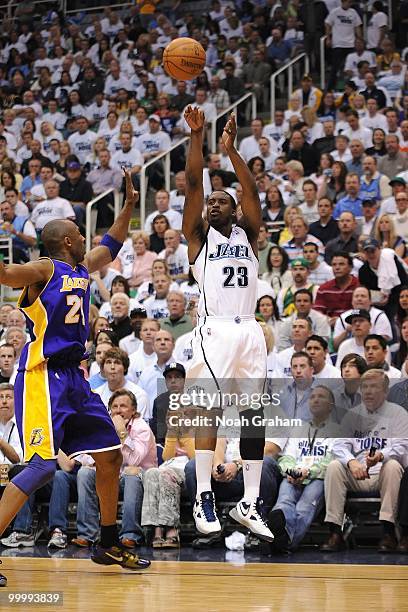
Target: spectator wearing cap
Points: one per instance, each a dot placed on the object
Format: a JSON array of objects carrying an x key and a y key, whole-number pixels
[
  {"x": 319, "y": 271},
  {"x": 299, "y": 229},
  {"x": 351, "y": 202},
  {"x": 359, "y": 322},
  {"x": 383, "y": 273},
  {"x": 370, "y": 218},
  {"x": 76, "y": 189},
  {"x": 317, "y": 349},
  {"x": 346, "y": 240},
  {"x": 82, "y": 140},
  {"x": 308, "y": 94},
  {"x": 174, "y": 375},
  {"x": 361, "y": 299},
  {"x": 163, "y": 485},
  {"x": 286, "y": 296},
  {"x": 401, "y": 216},
  {"x": 178, "y": 322},
  {"x": 335, "y": 296},
  {"x": 132, "y": 342},
  {"x": 394, "y": 162},
  {"x": 374, "y": 186}
]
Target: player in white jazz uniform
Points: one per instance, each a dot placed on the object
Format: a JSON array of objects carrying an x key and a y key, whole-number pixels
[{"x": 229, "y": 347}]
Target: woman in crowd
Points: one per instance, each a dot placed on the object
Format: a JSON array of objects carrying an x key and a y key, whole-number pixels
[
  {"x": 7, "y": 181},
  {"x": 273, "y": 212},
  {"x": 149, "y": 101},
  {"x": 64, "y": 153},
  {"x": 256, "y": 165},
  {"x": 386, "y": 235},
  {"x": 267, "y": 308},
  {"x": 400, "y": 358},
  {"x": 63, "y": 89},
  {"x": 47, "y": 133},
  {"x": 324, "y": 170},
  {"x": 352, "y": 368},
  {"x": 92, "y": 160},
  {"x": 160, "y": 224},
  {"x": 159, "y": 267},
  {"x": 378, "y": 149},
  {"x": 327, "y": 108},
  {"x": 288, "y": 215},
  {"x": 315, "y": 128},
  {"x": 278, "y": 275},
  {"x": 334, "y": 187},
  {"x": 143, "y": 260}
]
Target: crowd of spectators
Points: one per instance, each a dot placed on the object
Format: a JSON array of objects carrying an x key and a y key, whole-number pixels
[{"x": 79, "y": 100}]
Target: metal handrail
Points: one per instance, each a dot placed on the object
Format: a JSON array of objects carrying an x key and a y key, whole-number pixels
[
  {"x": 10, "y": 5},
  {"x": 213, "y": 128},
  {"x": 88, "y": 212},
  {"x": 323, "y": 62},
  {"x": 289, "y": 67},
  {"x": 143, "y": 178},
  {"x": 89, "y": 9}
]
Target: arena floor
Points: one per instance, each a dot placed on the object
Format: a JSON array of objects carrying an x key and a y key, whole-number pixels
[{"x": 212, "y": 581}]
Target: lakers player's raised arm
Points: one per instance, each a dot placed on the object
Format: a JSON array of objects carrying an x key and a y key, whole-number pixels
[
  {"x": 101, "y": 255},
  {"x": 194, "y": 226},
  {"x": 23, "y": 275},
  {"x": 250, "y": 204}
]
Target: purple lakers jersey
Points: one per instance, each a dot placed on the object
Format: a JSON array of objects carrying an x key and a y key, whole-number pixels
[{"x": 58, "y": 319}]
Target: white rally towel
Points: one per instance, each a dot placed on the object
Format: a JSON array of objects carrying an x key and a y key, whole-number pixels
[{"x": 388, "y": 277}]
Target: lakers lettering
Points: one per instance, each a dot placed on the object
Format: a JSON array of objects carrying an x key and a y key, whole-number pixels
[{"x": 69, "y": 284}]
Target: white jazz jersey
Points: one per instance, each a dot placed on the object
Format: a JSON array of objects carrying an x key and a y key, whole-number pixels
[{"x": 226, "y": 271}]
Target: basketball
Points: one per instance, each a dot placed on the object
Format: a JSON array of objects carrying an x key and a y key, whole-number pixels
[{"x": 184, "y": 59}]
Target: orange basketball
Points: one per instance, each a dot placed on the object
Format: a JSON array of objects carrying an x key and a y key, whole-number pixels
[{"x": 184, "y": 59}]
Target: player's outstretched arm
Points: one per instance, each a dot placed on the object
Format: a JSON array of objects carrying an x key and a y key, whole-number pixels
[
  {"x": 22, "y": 275},
  {"x": 101, "y": 255},
  {"x": 194, "y": 227},
  {"x": 250, "y": 204}
]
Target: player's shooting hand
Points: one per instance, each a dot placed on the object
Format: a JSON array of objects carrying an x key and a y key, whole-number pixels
[
  {"x": 195, "y": 118},
  {"x": 132, "y": 196},
  {"x": 230, "y": 132}
]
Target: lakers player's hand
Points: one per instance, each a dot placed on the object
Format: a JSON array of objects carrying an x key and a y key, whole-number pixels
[
  {"x": 132, "y": 195},
  {"x": 230, "y": 132},
  {"x": 194, "y": 118}
]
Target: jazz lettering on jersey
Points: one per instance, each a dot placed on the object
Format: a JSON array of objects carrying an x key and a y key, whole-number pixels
[
  {"x": 226, "y": 251},
  {"x": 69, "y": 284}
]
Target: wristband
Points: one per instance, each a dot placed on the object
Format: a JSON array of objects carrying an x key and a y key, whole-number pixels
[{"x": 113, "y": 245}]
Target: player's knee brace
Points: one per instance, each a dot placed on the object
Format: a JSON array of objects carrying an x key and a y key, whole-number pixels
[
  {"x": 252, "y": 442},
  {"x": 36, "y": 474}
]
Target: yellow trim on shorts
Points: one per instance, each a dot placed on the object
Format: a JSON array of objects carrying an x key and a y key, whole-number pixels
[{"x": 37, "y": 420}]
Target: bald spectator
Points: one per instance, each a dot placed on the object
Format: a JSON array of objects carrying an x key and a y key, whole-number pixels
[
  {"x": 346, "y": 240},
  {"x": 76, "y": 189},
  {"x": 54, "y": 207}
]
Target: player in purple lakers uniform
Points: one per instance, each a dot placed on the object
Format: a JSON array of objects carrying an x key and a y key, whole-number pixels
[{"x": 55, "y": 407}]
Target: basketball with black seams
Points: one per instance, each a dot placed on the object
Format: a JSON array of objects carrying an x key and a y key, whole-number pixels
[{"x": 184, "y": 59}]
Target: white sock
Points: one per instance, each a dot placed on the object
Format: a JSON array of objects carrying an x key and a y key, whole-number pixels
[
  {"x": 252, "y": 477},
  {"x": 204, "y": 462}
]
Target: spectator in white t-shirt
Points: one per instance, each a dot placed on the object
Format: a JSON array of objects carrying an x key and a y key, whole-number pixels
[
  {"x": 249, "y": 146},
  {"x": 175, "y": 255},
  {"x": 128, "y": 157},
  {"x": 114, "y": 81},
  {"x": 162, "y": 200},
  {"x": 377, "y": 26},
  {"x": 81, "y": 141},
  {"x": 52, "y": 208},
  {"x": 343, "y": 26}
]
